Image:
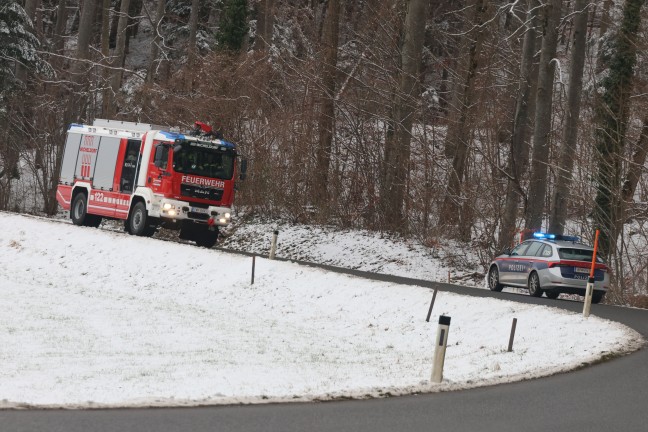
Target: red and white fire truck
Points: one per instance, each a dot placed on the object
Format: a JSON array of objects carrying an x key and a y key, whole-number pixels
[{"x": 149, "y": 177}]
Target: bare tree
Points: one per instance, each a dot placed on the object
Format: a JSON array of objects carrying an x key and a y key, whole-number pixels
[
  {"x": 519, "y": 154},
  {"x": 157, "y": 40},
  {"x": 457, "y": 144},
  {"x": 120, "y": 53},
  {"x": 397, "y": 146},
  {"x": 612, "y": 118},
  {"x": 543, "y": 115},
  {"x": 265, "y": 23},
  {"x": 326, "y": 125},
  {"x": 191, "y": 48},
  {"x": 570, "y": 132}
]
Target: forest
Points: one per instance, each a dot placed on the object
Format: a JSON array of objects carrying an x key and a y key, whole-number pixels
[{"x": 469, "y": 121}]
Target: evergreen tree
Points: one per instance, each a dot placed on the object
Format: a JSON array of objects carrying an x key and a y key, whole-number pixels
[
  {"x": 233, "y": 26},
  {"x": 18, "y": 45}
]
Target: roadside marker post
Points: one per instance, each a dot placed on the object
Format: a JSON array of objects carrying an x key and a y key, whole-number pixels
[
  {"x": 513, "y": 326},
  {"x": 253, "y": 265},
  {"x": 440, "y": 348},
  {"x": 589, "y": 291},
  {"x": 273, "y": 246},
  {"x": 431, "y": 305}
]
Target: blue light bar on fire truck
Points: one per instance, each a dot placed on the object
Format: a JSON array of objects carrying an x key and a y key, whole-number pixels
[{"x": 546, "y": 236}]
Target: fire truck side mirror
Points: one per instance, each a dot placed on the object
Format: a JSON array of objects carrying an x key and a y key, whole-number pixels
[{"x": 244, "y": 167}]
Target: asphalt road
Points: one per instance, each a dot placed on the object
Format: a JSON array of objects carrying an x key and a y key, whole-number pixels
[{"x": 610, "y": 396}]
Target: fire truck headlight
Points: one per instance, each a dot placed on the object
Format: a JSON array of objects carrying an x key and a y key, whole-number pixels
[
  {"x": 172, "y": 212},
  {"x": 222, "y": 220},
  {"x": 167, "y": 206},
  {"x": 227, "y": 215}
]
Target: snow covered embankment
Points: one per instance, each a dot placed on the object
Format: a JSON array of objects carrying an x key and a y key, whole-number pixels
[{"x": 100, "y": 319}]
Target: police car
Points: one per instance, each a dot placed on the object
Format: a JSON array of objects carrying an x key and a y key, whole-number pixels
[{"x": 551, "y": 264}]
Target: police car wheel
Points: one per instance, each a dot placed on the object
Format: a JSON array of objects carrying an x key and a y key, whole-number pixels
[
  {"x": 553, "y": 295},
  {"x": 493, "y": 280},
  {"x": 534, "y": 285},
  {"x": 597, "y": 296}
]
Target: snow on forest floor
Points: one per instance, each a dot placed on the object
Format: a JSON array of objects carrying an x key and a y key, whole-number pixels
[
  {"x": 95, "y": 318},
  {"x": 358, "y": 250}
]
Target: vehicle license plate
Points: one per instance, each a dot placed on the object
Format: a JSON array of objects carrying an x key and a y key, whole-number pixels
[
  {"x": 198, "y": 210},
  {"x": 581, "y": 270}
]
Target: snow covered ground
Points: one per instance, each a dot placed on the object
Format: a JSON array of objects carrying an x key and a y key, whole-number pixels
[
  {"x": 358, "y": 250},
  {"x": 97, "y": 318}
]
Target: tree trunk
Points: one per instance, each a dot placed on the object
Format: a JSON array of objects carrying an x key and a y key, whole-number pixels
[
  {"x": 59, "y": 32},
  {"x": 120, "y": 51},
  {"x": 30, "y": 11},
  {"x": 458, "y": 128},
  {"x": 155, "y": 46},
  {"x": 265, "y": 24},
  {"x": 86, "y": 27},
  {"x": 612, "y": 119},
  {"x": 397, "y": 147},
  {"x": 542, "y": 128},
  {"x": 559, "y": 200},
  {"x": 519, "y": 155},
  {"x": 604, "y": 24},
  {"x": 106, "y": 101},
  {"x": 327, "y": 104},
  {"x": 191, "y": 58},
  {"x": 637, "y": 166}
]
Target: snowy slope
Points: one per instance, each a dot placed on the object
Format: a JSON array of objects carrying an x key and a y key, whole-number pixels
[{"x": 97, "y": 318}]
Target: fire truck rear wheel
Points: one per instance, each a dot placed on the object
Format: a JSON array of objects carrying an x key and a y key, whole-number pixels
[
  {"x": 137, "y": 224},
  {"x": 79, "y": 209}
]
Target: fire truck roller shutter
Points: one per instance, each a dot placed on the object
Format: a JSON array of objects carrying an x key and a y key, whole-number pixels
[
  {"x": 104, "y": 172},
  {"x": 70, "y": 157}
]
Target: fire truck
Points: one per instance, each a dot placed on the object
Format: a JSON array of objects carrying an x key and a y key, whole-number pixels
[{"x": 149, "y": 177}]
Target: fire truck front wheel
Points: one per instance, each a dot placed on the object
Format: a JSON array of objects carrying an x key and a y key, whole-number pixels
[{"x": 137, "y": 222}]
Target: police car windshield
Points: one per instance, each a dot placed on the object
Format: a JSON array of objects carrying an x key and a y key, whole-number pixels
[
  {"x": 203, "y": 160},
  {"x": 577, "y": 254}
]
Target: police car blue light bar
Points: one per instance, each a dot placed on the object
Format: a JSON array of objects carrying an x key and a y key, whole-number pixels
[{"x": 546, "y": 236}]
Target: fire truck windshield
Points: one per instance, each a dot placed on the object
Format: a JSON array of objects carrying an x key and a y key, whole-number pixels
[{"x": 203, "y": 160}]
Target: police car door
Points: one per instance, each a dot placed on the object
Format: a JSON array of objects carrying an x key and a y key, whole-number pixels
[
  {"x": 510, "y": 266},
  {"x": 526, "y": 262}
]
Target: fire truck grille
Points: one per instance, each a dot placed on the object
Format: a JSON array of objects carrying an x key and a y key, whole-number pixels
[
  {"x": 198, "y": 216},
  {"x": 202, "y": 193}
]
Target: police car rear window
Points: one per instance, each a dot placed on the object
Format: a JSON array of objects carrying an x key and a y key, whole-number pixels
[{"x": 577, "y": 254}]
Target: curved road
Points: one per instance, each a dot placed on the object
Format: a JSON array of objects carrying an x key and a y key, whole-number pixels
[{"x": 610, "y": 396}]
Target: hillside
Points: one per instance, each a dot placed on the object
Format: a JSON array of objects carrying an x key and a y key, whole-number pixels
[{"x": 96, "y": 318}]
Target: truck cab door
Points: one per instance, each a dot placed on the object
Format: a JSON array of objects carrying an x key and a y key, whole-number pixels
[{"x": 159, "y": 177}]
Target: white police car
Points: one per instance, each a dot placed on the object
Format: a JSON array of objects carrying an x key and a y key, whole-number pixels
[{"x": 550, "y": 264}]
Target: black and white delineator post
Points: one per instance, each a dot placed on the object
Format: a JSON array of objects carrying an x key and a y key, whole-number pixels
[
  {"x": 587, "y": 302},
  {"x": 273, "y": 246},
  {"x": 441, "y": 342},
  {"x": 589, "y": 291}
]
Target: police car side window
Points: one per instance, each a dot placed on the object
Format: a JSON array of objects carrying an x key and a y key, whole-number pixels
[
  {"x": 519, "y": 249},
  {"x": 546, "y": 251},
  {"x": 533, "y": 249}
]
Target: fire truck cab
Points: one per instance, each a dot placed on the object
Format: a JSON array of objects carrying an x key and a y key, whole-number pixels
[{"x": 149, "y": 177}]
